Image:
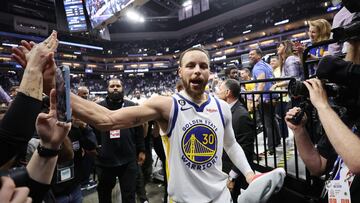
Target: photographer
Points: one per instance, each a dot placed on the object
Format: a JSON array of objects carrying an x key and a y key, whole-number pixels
[{"x": 336, "y": 153}]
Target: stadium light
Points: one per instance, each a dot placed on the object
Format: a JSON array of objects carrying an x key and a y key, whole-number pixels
[
  {"x": 281, "y": 22},
  {"x": 246, "y": 31},
  {"x": 134, "y": 16},
  {"x": 187, "y": 3}
]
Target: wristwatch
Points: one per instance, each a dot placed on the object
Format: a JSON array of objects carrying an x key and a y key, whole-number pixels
[{"x": 45, "y": 152}]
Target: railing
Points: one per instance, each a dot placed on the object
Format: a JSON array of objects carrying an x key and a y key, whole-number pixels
[{"x": 270, "y": 122}]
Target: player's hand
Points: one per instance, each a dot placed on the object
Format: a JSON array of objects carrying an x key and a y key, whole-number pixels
[
  {"x": 249, "y": 177},
  {"x": 230, "y": 184}
]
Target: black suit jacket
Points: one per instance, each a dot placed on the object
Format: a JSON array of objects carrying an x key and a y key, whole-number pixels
[{"x": 245, "y": 132}]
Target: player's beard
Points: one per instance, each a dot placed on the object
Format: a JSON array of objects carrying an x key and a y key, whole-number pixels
[{"x": 194, "y": 91}]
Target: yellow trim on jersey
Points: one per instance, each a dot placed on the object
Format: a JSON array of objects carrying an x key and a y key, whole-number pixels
[{"x": 166, "y": 144}]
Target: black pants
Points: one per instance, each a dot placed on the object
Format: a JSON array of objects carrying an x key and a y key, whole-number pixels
[
  {"x": 140, "y": 185},
  {"x": 271, "y": 131},
  {"x": 127, "y": 178}
]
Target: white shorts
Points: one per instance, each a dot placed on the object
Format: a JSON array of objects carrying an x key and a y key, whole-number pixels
[{"x": 224, "y": 197}]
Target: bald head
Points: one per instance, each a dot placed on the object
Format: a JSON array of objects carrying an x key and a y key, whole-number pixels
[{"x": 83, "y": 92}]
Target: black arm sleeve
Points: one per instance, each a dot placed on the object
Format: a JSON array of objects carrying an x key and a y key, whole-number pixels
[{"x": 17, "y": 126}]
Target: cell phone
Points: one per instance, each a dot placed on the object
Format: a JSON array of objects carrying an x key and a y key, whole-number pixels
[{"x": 62, "y": 77}]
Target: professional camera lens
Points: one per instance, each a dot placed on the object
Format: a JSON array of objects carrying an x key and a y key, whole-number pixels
[{"x": 297, "y": 88}]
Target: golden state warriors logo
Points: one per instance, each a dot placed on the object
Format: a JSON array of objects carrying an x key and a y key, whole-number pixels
[{"x": 199, "y": 144}]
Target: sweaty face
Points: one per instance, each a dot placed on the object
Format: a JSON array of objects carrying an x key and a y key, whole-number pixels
[
  {"x": 313, "y": 33},
  {"x": 194, "y": 72}
]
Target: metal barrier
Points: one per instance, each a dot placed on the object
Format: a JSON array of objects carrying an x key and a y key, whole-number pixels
[{"x": 269, "y": 119}]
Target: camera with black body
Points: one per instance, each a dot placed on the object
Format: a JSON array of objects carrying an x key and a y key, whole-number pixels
[
  {"x": 340, "y": 79},
  {"x": 18, "y": 174}
]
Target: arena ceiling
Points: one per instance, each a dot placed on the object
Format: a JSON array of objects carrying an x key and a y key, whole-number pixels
[{"x": 161, "y": 16}]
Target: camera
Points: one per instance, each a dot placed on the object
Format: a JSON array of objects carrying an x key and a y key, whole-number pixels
[{"x": 18, "y": 174}]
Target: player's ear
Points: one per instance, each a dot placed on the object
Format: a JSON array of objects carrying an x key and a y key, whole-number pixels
[{"x": 179, "y": 71}]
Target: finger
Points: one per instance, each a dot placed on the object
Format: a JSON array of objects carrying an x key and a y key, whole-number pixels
[
  {"x": 308, "y": 85},
  {"x": 26, "y": 44},
  {"x": 54, "y": 46},
  {"x": 20, "y": 195},
  {"x": 19, "y": 60},
  {"x": 43, "y": 116},
  {"x": 318, "y": 82},
  {"x": 50, "y": 59},
  {"x": 23, "y": 50},
  {"x": 29, "y": 200},
  {"x": 64, "y": 125},
  {"x": 47, "y": 40},
  {"x": 53, "y": 41},
  {"x": 18, "y": 51},
  {"x": 7, "y": 189},
  {"x": 53, "y": 100},
  {"x": 32, "y": 44}
]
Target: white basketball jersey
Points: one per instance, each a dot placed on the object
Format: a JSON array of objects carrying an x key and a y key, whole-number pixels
[{"x": 194, "y": 148}]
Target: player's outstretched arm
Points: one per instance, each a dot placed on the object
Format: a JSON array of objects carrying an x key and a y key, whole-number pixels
[{"x": 155, "y": 108}]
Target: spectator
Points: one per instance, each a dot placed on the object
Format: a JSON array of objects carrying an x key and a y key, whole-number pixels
[
  {"x": 39, "y": 66},
  {"x": 275, "y": 65},
  {"x": 263, "y": 70},
  {"x": 245, "y": 75},
  {"x": 119, "y": 151},
  {"x": 231, "y": 72},
  {"x": 341, "y": 18},
  {"x": 289, "y": 63},
  {"x": 319, "y": 30}
]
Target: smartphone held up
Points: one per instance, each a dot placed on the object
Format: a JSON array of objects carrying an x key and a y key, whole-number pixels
[{"x": 62, "y": 80}]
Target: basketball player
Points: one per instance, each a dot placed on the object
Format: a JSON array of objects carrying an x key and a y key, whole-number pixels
[{"x": 197, "y": 126}]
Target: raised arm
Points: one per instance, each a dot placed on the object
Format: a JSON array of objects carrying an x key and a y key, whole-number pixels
[{"x": 155, "y": 108}]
